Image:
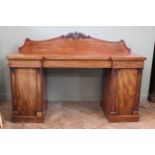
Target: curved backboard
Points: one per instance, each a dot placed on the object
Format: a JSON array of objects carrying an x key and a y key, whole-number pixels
[{"x": 74, "y": 44}]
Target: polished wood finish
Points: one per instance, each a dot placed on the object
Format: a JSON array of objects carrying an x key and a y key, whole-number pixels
[
  {"x": 128, "y": 64},
  {"x": 27, "y": 88},
  {"x": 122, "y": 78},
  {"x": 66, "y": 46},
  {"x": 25, "y": 63},
  {"x": 76, "y": 64},
  {"x": 124, "y": 87}
]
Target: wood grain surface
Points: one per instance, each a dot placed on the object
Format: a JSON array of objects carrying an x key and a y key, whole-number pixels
[
  {"x": 121, "y": 94},
  {"x": 27, "y": 92},
  {"x": 121, "y": 84}
]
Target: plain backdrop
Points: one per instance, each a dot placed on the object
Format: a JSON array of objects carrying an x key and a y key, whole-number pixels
[{"x": 77, "y": 84}]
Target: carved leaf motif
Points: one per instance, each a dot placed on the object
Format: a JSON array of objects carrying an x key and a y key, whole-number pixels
[{"x": 76, "y": 36}]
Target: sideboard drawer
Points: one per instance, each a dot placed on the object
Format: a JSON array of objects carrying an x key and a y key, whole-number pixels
[
  {"x": 128, "y": 64},
  {"x": 25, "y": 63},
  {"x": 77, "y": 63}
]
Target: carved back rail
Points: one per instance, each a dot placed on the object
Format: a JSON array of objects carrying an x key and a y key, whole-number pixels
[{"x": 74, "y": 44}]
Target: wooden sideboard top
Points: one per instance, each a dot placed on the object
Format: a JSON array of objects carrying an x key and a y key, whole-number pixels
[{"x": 74, "y": 46}]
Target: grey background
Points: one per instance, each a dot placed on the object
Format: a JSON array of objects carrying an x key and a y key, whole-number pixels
[{"x": 78, "y": 84}]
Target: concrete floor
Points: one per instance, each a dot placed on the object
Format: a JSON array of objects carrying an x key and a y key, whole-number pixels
[{"x": 79, "y": 115}]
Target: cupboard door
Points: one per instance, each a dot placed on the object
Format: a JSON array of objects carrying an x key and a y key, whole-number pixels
[
  {"x": 126, "y": 90},
  {"x": 121, "y": 94},
  {"x": 27, "y": 88}
]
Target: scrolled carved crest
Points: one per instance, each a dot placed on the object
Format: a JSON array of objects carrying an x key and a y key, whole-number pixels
[{"x": 76, "y": 36}]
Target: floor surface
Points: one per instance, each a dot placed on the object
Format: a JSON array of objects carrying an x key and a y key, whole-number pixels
[{"x": 79, "y": 115}]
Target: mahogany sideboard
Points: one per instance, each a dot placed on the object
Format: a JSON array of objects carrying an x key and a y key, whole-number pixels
[{"x": 122, "y": 74}]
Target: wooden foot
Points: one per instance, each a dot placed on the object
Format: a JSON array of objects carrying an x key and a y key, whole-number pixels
[
  {"x": 124, "y": 118},
  {"x": 27, "y": 119}
]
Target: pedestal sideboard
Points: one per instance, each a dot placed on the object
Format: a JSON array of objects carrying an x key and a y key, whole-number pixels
[{"x": 122, "y": 74}]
